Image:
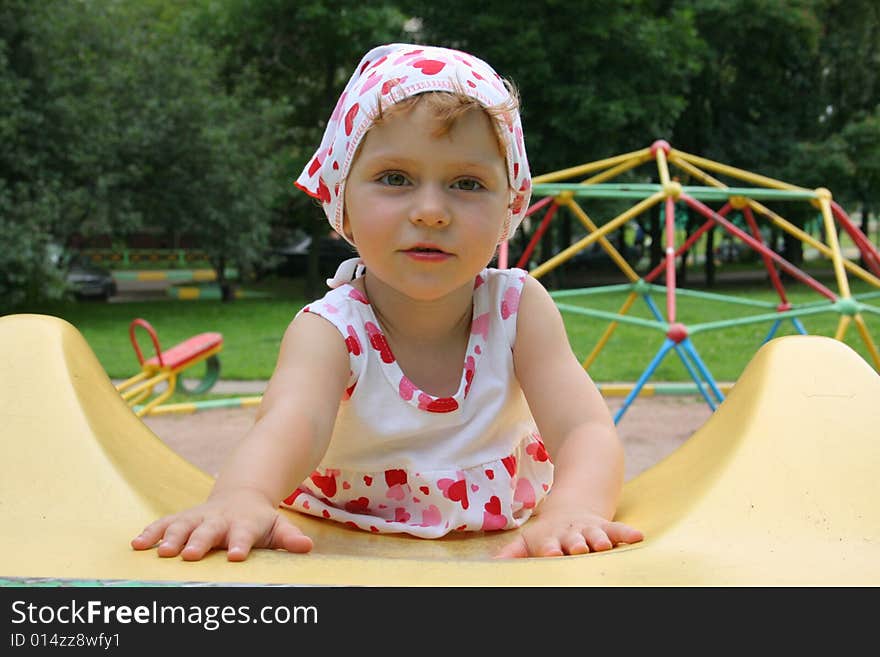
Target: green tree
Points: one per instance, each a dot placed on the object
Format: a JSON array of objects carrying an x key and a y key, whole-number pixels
[
  {"x": 302, "y": 53},
  {"x": 122, "y": 120}
]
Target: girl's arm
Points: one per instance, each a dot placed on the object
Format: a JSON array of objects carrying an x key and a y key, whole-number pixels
[
  {"x": 287, "y": 441},
  {"x": 578, "y": 432}
]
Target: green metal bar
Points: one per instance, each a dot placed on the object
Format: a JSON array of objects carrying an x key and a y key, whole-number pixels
[
  {"x": 626, "y": 319},
  {"x": 639, "y": 191},
  {"x": 755, "y": 319},
  {"x": 589, "y": 291},
  {"x": 712, "y": 296}
]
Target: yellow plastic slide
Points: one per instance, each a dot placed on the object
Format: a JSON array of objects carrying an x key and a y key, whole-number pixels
[{"x": 778, "y": 488}]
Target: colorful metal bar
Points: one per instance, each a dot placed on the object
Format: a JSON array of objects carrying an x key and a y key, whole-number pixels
[{"x": 761, "y": 248}]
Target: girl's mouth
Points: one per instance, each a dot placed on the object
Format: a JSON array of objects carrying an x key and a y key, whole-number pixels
[{"x": 427, "y": 253}]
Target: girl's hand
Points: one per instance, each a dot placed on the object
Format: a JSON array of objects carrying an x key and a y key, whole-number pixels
[
  {"x": 236, "y": 520},
  {"x": 558, "y": 531}
]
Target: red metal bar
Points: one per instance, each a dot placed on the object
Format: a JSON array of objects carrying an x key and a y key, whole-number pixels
[
  {"x": 869, "y": 252},
  {"x": 687, "y": 245},
  {"x": 534, "y": 207},
  {"x": 539, "y": 233},
  {"x": 670, "y": 259},
  {"x": 761, "y": 248},
  {"x": 768, "y": 263},
  {"x": 134, "y": 343}
]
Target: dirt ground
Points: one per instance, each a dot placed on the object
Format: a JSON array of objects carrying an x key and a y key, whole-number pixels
[{"x": 651, "y": 428}]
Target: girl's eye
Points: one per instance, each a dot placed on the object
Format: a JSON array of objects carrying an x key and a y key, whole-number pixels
[
  {"x": 467, "y": 184},
  {"x": 393, "y": 179}
]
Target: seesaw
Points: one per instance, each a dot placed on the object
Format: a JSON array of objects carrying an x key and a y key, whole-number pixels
[
  {"x": 779, "y": 487},
  {"x": 165, "y": 366}
]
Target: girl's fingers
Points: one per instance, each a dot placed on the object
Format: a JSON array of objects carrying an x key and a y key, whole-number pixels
[
  {"x": 239, "y": 542},
  {"x": 574, "y": 543},
  {"x": 621, "y": 533},
  {"x": 176, "y": 536},
  {"x": 285, "y": 536},
  {"x": 151, "y": 534},
  {"x": 210, "y": 533},
  {"x": 597, "y": 539}
]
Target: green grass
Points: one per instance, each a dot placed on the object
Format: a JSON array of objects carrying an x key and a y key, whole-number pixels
[
  {"x": 725, "y": 351},
  {"x": 252, "y": 330}
]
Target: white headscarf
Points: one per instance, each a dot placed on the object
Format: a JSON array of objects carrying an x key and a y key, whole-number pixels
[{"x": 391, "y": 73}]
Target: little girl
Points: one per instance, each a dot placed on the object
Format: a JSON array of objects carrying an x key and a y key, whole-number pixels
[{"x": 430, "y": 394}]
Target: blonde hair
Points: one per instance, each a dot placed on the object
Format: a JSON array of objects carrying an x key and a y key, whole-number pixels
[{"x": 449, "y": 106}]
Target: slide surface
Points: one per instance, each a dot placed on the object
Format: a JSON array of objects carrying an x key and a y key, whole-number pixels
[{"x": 779, "y": 487}]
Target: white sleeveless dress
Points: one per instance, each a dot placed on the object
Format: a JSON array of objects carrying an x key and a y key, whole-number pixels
[{"x": 401, "y": 460}]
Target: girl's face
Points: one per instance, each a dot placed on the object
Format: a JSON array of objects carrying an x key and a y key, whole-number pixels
[{"x": 425, "y": 211}]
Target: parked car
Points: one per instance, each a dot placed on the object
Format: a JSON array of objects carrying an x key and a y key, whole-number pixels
[
  {"x": 293, "y": 256},
  {"x": 84, "y": 279},
  {"x": 88, "y": 280}
]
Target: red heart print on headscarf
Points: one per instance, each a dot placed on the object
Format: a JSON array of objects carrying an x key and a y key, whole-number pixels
[{"x": 429, "y": 66}]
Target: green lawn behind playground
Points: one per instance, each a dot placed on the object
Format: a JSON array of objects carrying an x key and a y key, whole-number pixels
[{"x": 252, "y": 330}]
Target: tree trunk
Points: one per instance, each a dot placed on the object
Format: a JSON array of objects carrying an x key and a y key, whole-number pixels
[
  {"x": 227, "y": 288},
  {"x": 710, "y": 258}
]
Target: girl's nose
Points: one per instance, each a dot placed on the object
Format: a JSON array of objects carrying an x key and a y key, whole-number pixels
[{"x": 429, "y": 207}]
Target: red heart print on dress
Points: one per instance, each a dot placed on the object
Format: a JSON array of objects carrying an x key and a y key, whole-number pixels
[
  {"x": 441, "y": 405},
  {"x": 493, "y": 506},
  {"x": 352, "y": 342},
  {"x": 469, "y": 366},
  {"x": 480, "y": 326},
  {"x": 327, "y": 484},
  {"x": 454, "y": 490},
  {"x": 379, "y": 343},
  {"x": 290, "y": 498},
  {"x": 425, "y": 490},
  {"x": 525, "y": 493},
  {"x": 360, "y": 505},
  {"x": 400, "y": 514},
  {"x": 510, "y": 464},
  {"x": 431, "y": 516},
  {"x": 368, "y": 480},
  {"x": 510, "y": 302},
  {"x": 357, "y": 295},
  {"x": 538, "y": 452},
  {"x": 393, "y": 477},
  {"x": 492, "y": 518},
  {"x": 406, "y": 388}
]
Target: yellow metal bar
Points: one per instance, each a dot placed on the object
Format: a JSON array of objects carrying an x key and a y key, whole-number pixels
[
  {"x": 616, "y": 171},
  {"x": 662, "y": 167},
  {"x": 172, "y": 383},
  {"x": 790, "y": 228},
  {"x": 842, "y": 326},
  {"x": 606, "y": 335},
  {"x": 562, "y": 174},
  {"x": 741, "y": 174},
  {"x": 141, "y": 396},
  {"x": 131, "y": 381},
  {"x": 612, "y": 225},
  {"x": 691, "y": 170},
  {"x": 831, "y": 235},
  {"x": 869, "y": 342},
  {"x": 149, "y": 383},
  {"x": 604, "y": 242}
]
